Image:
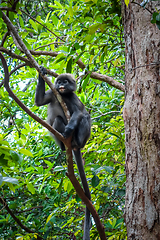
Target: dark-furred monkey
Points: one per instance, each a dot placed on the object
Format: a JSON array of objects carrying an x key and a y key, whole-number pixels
[{"x": 79, "y": 125}]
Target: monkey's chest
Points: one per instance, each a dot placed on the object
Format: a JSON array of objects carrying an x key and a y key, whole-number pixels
[{"x": 55, "y": 110}]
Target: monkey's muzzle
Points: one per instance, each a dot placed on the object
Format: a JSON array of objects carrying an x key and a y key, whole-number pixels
[{"x": 61, "y": 89}]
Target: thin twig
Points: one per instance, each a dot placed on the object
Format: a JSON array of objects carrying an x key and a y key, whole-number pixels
[
  {"x": 17, "y": 219},
  {"x": 42, "y": 25}
]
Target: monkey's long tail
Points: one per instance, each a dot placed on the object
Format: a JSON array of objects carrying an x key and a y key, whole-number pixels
[{"x": 87, "y": 222}]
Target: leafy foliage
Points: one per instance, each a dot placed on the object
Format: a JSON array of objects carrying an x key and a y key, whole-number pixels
[{"x": 69, "y": 36}]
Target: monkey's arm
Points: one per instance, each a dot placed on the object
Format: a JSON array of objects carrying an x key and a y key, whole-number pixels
[{"x": 42, "y": 97}]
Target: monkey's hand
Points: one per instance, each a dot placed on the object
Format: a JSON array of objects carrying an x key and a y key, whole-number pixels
[
  {"x": 43, "y": 70},
  {"x": 67, "y": 133}
]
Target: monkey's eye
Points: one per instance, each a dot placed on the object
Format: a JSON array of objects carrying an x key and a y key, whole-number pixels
[{"x": 65, "y": 81}]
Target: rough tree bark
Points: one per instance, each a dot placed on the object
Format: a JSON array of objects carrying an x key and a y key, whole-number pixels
[{"x": 142, "y": 121}]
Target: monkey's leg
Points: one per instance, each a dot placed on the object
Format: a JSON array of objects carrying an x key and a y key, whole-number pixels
[{"x": 60, "y": 127}]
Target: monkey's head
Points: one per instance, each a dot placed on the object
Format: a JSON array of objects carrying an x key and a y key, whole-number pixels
[{"x": 65, "y": 83}]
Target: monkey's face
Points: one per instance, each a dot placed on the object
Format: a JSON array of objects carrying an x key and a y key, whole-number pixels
[{"x": 65, "y": 84}]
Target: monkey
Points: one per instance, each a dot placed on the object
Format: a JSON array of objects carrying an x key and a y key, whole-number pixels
[{"x": 79, "y": 125}]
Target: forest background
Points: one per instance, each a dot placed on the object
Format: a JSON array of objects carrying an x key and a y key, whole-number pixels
[{"x": 84, "y": 38}]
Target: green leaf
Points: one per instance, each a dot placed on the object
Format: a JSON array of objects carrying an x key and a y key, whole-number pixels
[
  {"x": 126, "y": 2},
  {"x": 58, "y": 4},
  {"x": 158, "y": 17},
  {"x": 70, "y": 11},
  {"x": 33, "y": 24},
  {"x": 154, "y": 15},
  {"x": 46, "y": 20},
  {"x": 21, "y": 21},
  {"x": 0, "y": 13},
  {"x": 93, "y": 28},
  {"x": 158, "y": 21},
  {"x": 69, "y": 66},
  {"x": 49, "y": 217},
  {"x": 114, "y": 222},
  {"x": 69, "y": 187},
  {"x": 58, "y": 169},
  {"x": 85, "y": 82},
  {"x": 16, "y": 157},
  {"x": 55, "y": 20},
  {"x": 31, "y": 188},
  {"x": 158, "y": 25},
  {"x": 95, "y": 181},
  {"x": 10, "y": 180},
  {"x": 11, "y": 187},
  {"x": 26, "y": 152}
]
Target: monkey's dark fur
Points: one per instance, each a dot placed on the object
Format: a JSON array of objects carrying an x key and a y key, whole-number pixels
[{"x": 79, "y": 125}]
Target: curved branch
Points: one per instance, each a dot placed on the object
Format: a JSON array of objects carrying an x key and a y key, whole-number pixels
[
  {"x": 27, "y": 63},
  {"x": 108, "y": 80},
  {"x": 4, "y": 38},
  {"x": 81, "y": 193},
  {"x": 17, "y": 219},
  {"x": 8, "y": 9},
  {"x": 35, "y": 64},
  {"x": 23, "y": 106},
  {"x": 15, "y": 69},
  {"x": 93, "y": 75},
  {"x": 15, "y": 56}
]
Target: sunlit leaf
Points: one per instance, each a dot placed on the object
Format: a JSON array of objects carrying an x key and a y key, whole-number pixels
[
  {"x": 33, "y": 24},
  {"x": 26, "y": 152},
  {"x": 69, "y": 65},
  {"x": 31, "y": 187},
  {"x": 10, "y": 180},
  {"x": 126, "y": 2},
  {"x": 49, "y": 217},
  {"x": 11, "y": 187}
]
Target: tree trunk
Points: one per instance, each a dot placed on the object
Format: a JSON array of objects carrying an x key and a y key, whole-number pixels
[{"x": 142, "y": 121}]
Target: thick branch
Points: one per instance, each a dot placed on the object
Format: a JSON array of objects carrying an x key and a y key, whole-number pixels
[
  {"x": 13, "y": 55},
  {"x": 93, "y": 75},
  {"x": 28, "y": 63},
  {"x": 108, "y": 80},
  {"x": 81, "y": 193}
]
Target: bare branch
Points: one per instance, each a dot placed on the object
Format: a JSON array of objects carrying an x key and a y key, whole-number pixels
[
  {"x": 46, "y": 45},
  {"x": 8, "y": 9},
  {"x": 108, "y": 80},
  {"x": 93, "y": 75},
  {"x": 4, "y": 38},
  {"x": 15, "y": 56}
]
